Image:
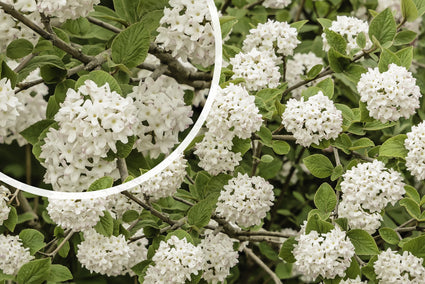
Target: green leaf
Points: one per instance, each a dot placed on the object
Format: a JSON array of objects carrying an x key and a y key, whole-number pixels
[
  {"x": 353, "y": 72},
  {"x": 266, "y": 136},
  {"x": 281, "y": 147},
  {"x": 12, "y": 219},
  {"x": 412, "y": 193},
  {"x": 19, "y": 48},
  {"x": 363, "y": 243},
  {"x": 409, "y": 10},
  {"x": 130, "y": 216},
  {"x": 226, "y": 24},
  {"x": 387, "y": 57},
  {"x": 337, "y": 61},
  {"x": 32, "y": 133},
  {"x": 354, "y": 269},
  {"x": 361, "y": 144},
  {"x": 100, "y": 78},
  {"x": 298, "y": 25},
  {"x": 127, "y": 9},
  {"x": 314, "y": 71},
  {"x": 102, "y": 183},
  {"x": 241, "y": 145},
  {"x": 284, "y": 270},
  {"x": 326, "y": 23},
  {"x": 420, "y": 5},
  {"x": 267, "y": 159},
  {"x": 181, "y": 234},
  {"x": 286, "y": 250},
  {"x": 325, "y": 198},
  {"x": 268, "y": 251},
  {"x": 54, "y": 62},
  {"x": 32, "y": 239},
  {"x": 319, "y": 165},
  {"x": 34, "y": 272},
  {"x": 405, "y": 37},
  {"x": 361, "y": 40},
  {"x": 105, "y": 226},
  {"x": 337, "y": 172},
  {"x": 411, "y": 207},
  {"x": 265, "y": 101},
  {"x": 59, "y": 273},
  {"x": 416, "y": 246},
  {"x": 327, "y": 87},
  {"x": 201, "y": 181},
  {"x": 315, "y": 224},
  {"x": 7, "y": 72},
  {"x": 394, "y": 147},
  {"x": 336, "y": 41},
  {"x": 200, "y": 214},
  {"x": 131, "y": 46},
  {"x": 383, "y": 27},
  {"x": 406, "y": 56},
  {"x": 389, "y": 235}
]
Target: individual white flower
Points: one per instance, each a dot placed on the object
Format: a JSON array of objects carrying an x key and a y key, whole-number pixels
[
  {"x": 66, "y": 9},
  {"x": 389, "y": 95},
  {"x": 276, "y": 4},
  {"x": 366, "y": 190},
  {"x": 313, "y": 120},
  {"x": 13, "y": 254},
  {"x": 215, "y": 154},
  {"x": 9, "y": 108},
  {"x": 327, "y": 255},
  {"x": 392, "y": 268},
  {"x": 272, "y": 36},
  {"x": 259, "y": 69},
  {"x": 415, "y": 145},
  {"x": 187, "y": 32},
  {"x": 357, "y": 280},
  {"x": 77, "y": 215},
  {"x": 298, "y": 66},
  {"x": 395, "y": 6},
  {"x": 174, "y": 262},
  {"x": 161, "y": 115},
  {"x": 111, "y": 256},
  {"x": 349, "y": 28},
  {"x": 89, "y": 124},
  {"x": 245, "y": 200},
  {"x": 234, "y": 113},
  {"x": 4, "y": 208},
  {"x": 219, "y": 256}
]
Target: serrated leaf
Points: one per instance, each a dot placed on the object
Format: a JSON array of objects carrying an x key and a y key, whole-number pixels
[
  {"x": 336, "y": 41},
  {"x": 200, "y": 214},
  {"x": 409, "y": 10},
  {"x": 387, "y": 57},
  {"x": 383, "y": 27},
  {"x": 337, "y": 172},
  {"x": 411, "y": 207},
  {"x": 34, "y": 272},
  {"x": 416, "y": 246}
]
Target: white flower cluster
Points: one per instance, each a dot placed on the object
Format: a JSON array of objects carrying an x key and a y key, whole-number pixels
[
  {"x": 216, "y": 154},
  {"x": 367, "y": 189},
  {"x": 13, "y": 254},
  {"x": 357, "y": 280},
  {"x": 415, "y": 145},
  {"x": 33, "y": 109},
  {"x": 9, "y": 108},
  {"x": 271, "y": 37},
  {"x": 66, "y": 9},
  {"x": 245, "y": 200},
  {"x": 161, "y": 115},
  {"x": 175, "y": 260},
  {"x": 4, "y": 208},
  {"x": 259, "y": 69},
  {"x": 298, "y": 66},
  {"x": 10, "y": 29},
  {"x": 312, "y": 120},
  {"x": 187, "y": 32},
  {"x": 395, "y": 5},
  {"x": 327, "y": 255},
  {"x": 349, "y": 28},
  {"x": 77, "y": 215},
  {"x": 234, "y": 113},
  {"x": 110, "y": 255},
  {"x": 391, "y": 268},
  {"x": 276, "y": 4},
  {"x": 219, "y": 257},
  {"x": 389, "y": 95},
  {"x": 90, "y": 123}
]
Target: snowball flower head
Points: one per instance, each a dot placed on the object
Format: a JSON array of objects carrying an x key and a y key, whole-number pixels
[
  {"x": 327, "y": 255},
  {"x": 389, "y": 95},
  {"x": 13, "y": 254},
  {"x": 276, "y": 4},
  {"x": 187, "y": 32},
  {"x": 245, "y": 200},
  {"x": 175, "y": 260},
  {"x": 312, "y": 120},
  {"x": 392, "y": 267},
  {"x": 77, "y": 215},
  {"x": 234, "y": 113},
  {"x": 111, "y": 256},
  {"x": 349, "y": 28},
  {"x": 66, "y": 9},
  {"x": 259, "y": 69},
  {"x": 219, "y": 256},
  {"x": 270, "y": 35},
  {"x": 415, "y": 145},
  {"x": 9, "y": 108},
  {"x": 216, "y": 155},
  {"x": 4, "y": 208},
  {"x": 359, "y": 218}
]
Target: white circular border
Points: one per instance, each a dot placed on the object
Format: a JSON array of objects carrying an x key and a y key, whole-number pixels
[{"x": 161, "y": 166}]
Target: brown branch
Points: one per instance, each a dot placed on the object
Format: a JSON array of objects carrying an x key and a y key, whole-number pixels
[
  {"x": 299, "y": 11},
  {"x": 104, "y": 25},
  {"x": 251, "y": 254}
]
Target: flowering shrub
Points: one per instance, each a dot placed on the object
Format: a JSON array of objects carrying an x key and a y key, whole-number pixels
[{"x": 309, "y": 168}]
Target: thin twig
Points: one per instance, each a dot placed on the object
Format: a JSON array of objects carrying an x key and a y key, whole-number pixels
[
  {"x": 104, "y": 25},
  {"x": 251, "y": 254},
  {"x": 299, "y": 11}
]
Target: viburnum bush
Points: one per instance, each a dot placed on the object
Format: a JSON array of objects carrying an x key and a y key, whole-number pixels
[{"x": 310, "y": 166}]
